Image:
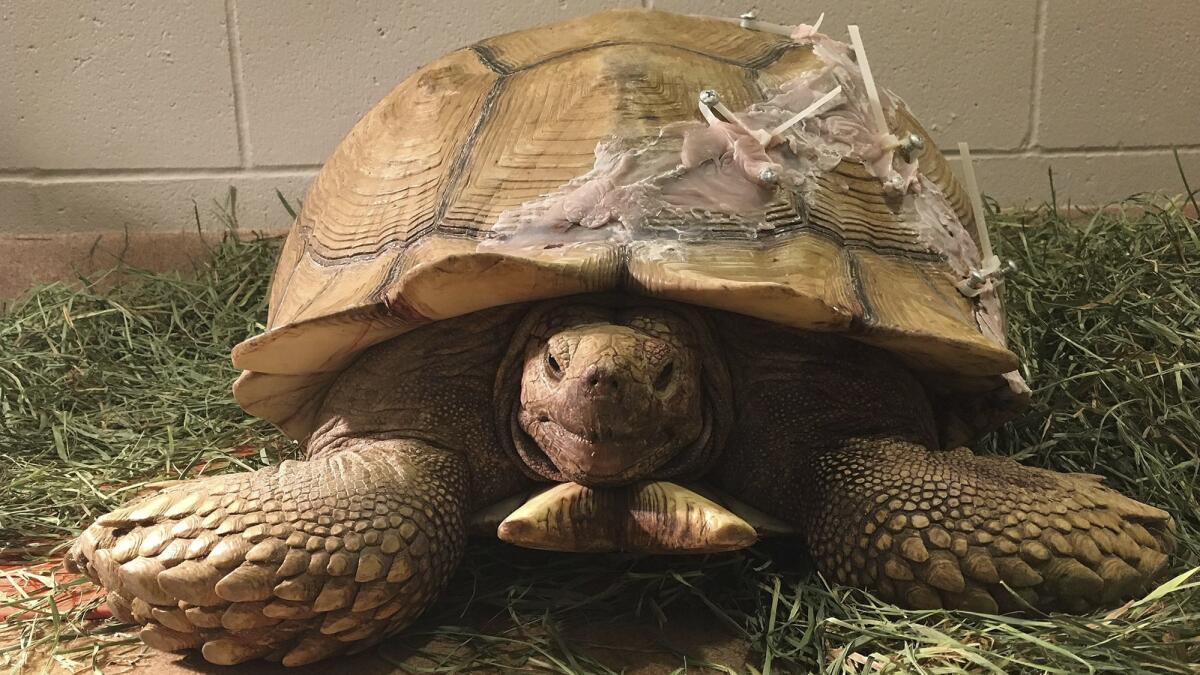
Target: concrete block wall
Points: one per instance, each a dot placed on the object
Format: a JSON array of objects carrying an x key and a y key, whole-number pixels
[{"x": 118, "y": 116}]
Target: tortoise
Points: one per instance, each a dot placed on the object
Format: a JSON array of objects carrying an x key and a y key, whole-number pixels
[{"x": 553, "y": 288}]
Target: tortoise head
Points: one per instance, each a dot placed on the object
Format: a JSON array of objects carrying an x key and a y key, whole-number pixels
[{"x": 609, "y": 395}]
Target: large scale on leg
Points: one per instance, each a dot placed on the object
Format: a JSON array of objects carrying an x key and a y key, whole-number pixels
[{"x": 634, "y": 281}]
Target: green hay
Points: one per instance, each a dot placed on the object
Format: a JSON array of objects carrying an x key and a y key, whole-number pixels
[{"x": 103, "y": 392}]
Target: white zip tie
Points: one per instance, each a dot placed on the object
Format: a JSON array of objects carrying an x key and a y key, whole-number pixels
[
  {"x": 710, "y": 101},
  {"x": 720, "y": 107},
  {"x": 985, "y": 242},
  {"x": 750, "y": 21},
  {"x": 881, "y": 126},
  {"x": 817, "y": 26},
  {"x": 990, "y": 268},
  {"x": 807, "y": 112}
]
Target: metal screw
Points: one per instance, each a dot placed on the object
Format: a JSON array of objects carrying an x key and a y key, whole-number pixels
[
  {"x": 748, "y": 17},
  {"x": 710, "y": 97},
  {"x": 976, "y": 279},
  {"x": 910, "y": 146},
  {"x": 768, "y": 176}
]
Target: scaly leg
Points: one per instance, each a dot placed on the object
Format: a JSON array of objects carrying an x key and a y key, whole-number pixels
[
  {"x": 944, "y": 529},
  {"x": 295, "y": 562}
]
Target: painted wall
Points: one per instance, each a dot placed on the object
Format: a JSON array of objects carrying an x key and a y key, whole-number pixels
[{"x": 119, "y": 115}]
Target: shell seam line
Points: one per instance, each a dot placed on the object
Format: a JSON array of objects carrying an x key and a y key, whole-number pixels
[
  {"x": 456, "y": 169},
  {"x": 489, "y": 59},
  {"x": 868, "y": 312}
]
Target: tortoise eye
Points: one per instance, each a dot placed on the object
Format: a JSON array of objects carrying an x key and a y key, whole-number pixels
[{"x": 553, "y": 367}]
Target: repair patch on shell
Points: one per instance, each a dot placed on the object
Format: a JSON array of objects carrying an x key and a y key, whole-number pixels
[{"x": 727, "y": 171}]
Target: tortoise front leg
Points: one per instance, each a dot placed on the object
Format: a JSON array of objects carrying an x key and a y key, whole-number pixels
[
  {"x": 833, "y": 438},
  {"x": 295, "y": 562},
  {"x": 946, "y": 529}
]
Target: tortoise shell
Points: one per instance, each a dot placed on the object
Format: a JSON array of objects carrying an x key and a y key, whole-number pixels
[{"x": 462, "y": 190}]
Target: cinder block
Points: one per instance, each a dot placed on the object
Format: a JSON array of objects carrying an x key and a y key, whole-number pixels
[
  {"x": 115, "y": 85},
  {"x": 1084, "y": 179},
  {"x": 964, "y": 68},
  {"x": 1121, "y": 74},
  {"x": 312, "y": 69},
  {"x": 146, "y": 203}
]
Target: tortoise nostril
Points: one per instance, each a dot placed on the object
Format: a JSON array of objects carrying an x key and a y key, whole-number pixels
[
  {"x": 664, "y": 376},
  {"x": 600, "y": 381}
]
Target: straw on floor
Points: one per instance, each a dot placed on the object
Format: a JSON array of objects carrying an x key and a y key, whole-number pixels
[{"x": 104, "y": 392}]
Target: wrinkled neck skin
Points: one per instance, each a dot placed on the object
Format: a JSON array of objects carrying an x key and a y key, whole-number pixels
[{"x": 607, "y": 391}]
